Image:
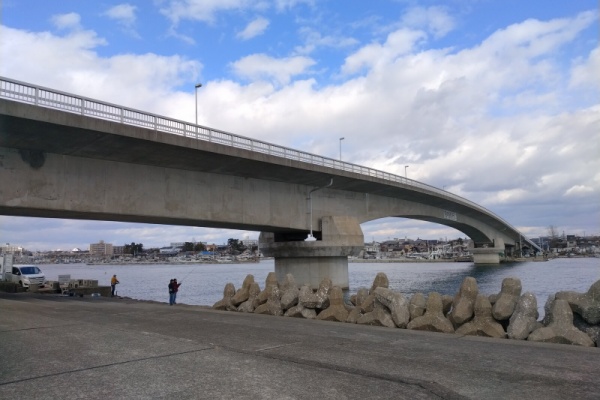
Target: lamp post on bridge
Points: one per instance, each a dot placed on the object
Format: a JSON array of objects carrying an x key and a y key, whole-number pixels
[
  {"x": 406, "y": 166},
  {"x": 341, "y": 148},
  {"x": 310, "y": 237},
  {"x": 196, "y": 87}
]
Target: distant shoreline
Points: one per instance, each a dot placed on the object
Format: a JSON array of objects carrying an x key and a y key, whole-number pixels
[
  {"x": 417, "y": 260},
  {"x": 396, "y": 260},
  {"x": 175, "y": 263},
  {"x": 350, "y": 260}
]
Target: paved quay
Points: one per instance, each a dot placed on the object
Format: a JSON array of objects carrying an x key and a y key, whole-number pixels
[{"x": 101, "y": 348}]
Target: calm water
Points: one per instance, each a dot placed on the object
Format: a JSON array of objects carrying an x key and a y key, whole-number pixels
[{"x": 203, "y": 283}]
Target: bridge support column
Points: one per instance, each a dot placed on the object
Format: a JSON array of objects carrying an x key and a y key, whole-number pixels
[
  {"x": 489, "y": 255},
  {"x": 312, "y": 261}
]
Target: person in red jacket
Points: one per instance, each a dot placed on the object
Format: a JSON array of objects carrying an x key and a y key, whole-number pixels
[{"x": 173, "y": 289}]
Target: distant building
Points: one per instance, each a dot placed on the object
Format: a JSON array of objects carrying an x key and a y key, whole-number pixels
[
  {"x": 118, "y": 250},
  {"x": 11, "y": 248},
  {"x": 101, "y": 249},
  {"x": 250, "y": 243},
  {"x": 211, "y": 247}
]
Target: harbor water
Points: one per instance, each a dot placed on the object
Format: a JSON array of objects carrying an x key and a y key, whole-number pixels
[{"x": 203, "y": 284}]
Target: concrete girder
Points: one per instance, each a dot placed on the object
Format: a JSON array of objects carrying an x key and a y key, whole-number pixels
[{"x": 84, "y": 188}]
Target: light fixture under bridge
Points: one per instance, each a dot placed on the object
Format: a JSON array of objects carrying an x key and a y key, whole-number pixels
[{"x": 310, "y": 237}]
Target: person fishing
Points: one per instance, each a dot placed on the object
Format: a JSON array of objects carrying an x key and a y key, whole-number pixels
[
  {"x": 173, "y": 289},
  {"x": 113, "y": 285},
  {"x": 171, "y": 293}
]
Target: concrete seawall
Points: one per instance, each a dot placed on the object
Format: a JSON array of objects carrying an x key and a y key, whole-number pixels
[{"x": 65, "y": 347}]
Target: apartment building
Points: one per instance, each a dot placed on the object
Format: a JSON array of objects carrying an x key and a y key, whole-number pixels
[{"x": 101, "y": 249}]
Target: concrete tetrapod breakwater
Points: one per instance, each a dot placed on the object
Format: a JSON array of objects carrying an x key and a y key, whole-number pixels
[{"x": 570, "y": 317}]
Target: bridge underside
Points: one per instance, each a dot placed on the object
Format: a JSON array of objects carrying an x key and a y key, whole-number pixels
[
  {"x": 471, "y": 231},
  {"x": 486, "y": 249}
]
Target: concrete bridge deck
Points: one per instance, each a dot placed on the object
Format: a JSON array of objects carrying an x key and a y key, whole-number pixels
[{"x": 102, "y": 348}]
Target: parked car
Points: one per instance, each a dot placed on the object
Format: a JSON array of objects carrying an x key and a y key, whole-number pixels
[{"x": 25, "y": 275}]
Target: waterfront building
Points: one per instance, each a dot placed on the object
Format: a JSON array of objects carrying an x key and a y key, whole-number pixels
[
  {"x": 11, "y": 249},
  {"x": 101, "y": 249}
]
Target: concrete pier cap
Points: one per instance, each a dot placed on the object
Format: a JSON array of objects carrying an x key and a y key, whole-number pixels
[{"x": 312, "y": 261}]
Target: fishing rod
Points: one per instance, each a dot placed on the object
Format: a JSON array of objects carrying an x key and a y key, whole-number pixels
[{"x": 188, "y": 274}]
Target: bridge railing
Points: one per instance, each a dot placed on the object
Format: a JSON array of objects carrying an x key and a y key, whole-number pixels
[{"x": 41, "y": 96}]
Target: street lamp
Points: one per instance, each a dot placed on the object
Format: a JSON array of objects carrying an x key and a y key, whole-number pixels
[
  {"x": 198, "y": 85},
  {"x": 341, "y": 148},
  {"x": 406, "y": 166},
  {"x": 310, "y": 237}
]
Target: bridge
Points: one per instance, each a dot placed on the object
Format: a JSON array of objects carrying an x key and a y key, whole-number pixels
[{"x": 68, "y": 156}]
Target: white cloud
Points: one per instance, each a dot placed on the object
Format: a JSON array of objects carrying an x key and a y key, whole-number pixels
[
  {"x": 585, "y": 72},
  {"x": 122, "y": 13},
  {"x": 72, "y": 64},
  {"x": 282, "y": 5},
  {"x": 397, "y": 44},
  {"x": 125, "y": 15},
  {"x": 204, "y": 10},
  {"x": 434, "y": 19},
  {"x": 532, "y": 38},
  {"x": 172, "y": 32},
  {"x": 261, "y": 66},
  {"x": 579, "y": 190},
  {"x": 62, "y": 57},
  {"x": 254, "y": 28},
  {"x": 67, "y": 21},
  {"x": 313, "y": 40}
]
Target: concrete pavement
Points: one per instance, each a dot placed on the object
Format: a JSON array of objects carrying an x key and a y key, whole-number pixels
[{"x": 102, "y": 348}]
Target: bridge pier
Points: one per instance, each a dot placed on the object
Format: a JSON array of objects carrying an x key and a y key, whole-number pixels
[
  {"x": 312, "y": 261},
  {"x": 489, "y": 255}
]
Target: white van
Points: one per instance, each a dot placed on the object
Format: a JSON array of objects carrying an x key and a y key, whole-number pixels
[{"x": 25, "y": 275}]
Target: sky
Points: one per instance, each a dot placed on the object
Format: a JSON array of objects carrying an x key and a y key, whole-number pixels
[{"x": 497, "y": 101}]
